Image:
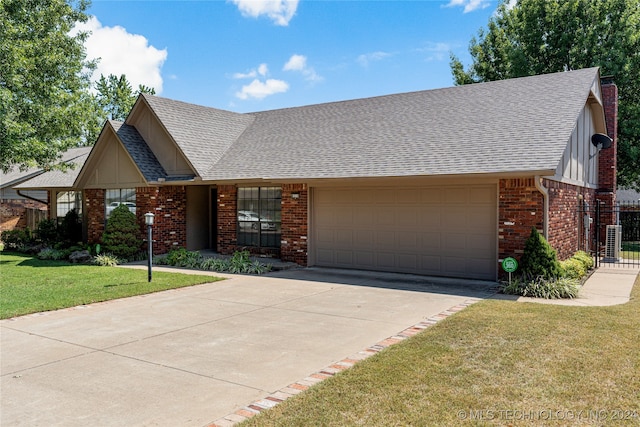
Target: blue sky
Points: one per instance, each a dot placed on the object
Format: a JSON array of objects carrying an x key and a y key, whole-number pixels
[{"x": 255, "y": 55}]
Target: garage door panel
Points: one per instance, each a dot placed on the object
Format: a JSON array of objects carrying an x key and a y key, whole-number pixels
[
  {"x": 344, "y": 258},
  {"x": 430, "y": 196},
  {"x": 365, "y": 259},
  {"x": 456, "y": 195},
  {"x": 448, "y": 231}
]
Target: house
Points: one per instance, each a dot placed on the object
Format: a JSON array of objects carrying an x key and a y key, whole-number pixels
[
  {"x": 21, "y": 208},
  {"x": 442, "y": 182}
]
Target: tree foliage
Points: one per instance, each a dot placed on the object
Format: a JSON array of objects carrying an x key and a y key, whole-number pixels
[
  {"x": 539, "y": 258},
  {"x": 43, "y": 81},
  {"x": 538, "y": 37},
  {"x": 121, "y": 236},
  {"x": 116, "y": 97}
]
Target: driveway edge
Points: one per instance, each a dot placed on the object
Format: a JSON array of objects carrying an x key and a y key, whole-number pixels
[{"x": 291, "y": 390}]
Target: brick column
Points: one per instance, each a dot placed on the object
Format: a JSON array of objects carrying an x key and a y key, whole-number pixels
[
  {"x": 520, "y": 207},
  {"x": 169, "y": 205},
  {"x": 607, "y": 159},
  {"x": 94, "y": 208},
  {"x": 294, "y": 223},
  {"x": 227, "y": 219}
]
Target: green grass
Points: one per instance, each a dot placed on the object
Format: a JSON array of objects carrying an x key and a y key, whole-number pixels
[
  {"x": 29, "y": 285},
  {"x": 495, "y": 356},
  {"x": 631, "y": 250}
]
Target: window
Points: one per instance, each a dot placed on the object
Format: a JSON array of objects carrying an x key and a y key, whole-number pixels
[
  {"x": 117, "y": 197},
  {"x": 259, "y": 216},
  {"x": 66, "y": 201}
]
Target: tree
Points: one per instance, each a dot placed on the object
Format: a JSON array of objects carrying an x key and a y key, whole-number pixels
[
  {"x": 121, "y": 236},
  {"x": 116, "y": 97},
  {"x": 45, "y": 106},
  {"x": 539, "y": 37}
]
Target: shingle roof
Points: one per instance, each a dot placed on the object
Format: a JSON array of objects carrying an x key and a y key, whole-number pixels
[
  {"x": 202, "y": 133},
  {"x": 512, "y": 125},
  {"x": 627, "y": 195},
  {"x": 58, "y": 178},
  {"x": 139, "y": 151}
]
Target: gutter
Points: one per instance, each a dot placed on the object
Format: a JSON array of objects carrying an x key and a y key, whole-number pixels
[
  {"x": 31, "y": 198},
  {"x": 545, "y": 195}
]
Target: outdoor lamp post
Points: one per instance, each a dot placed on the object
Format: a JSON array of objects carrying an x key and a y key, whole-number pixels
[{"x": 148, "y": 219}]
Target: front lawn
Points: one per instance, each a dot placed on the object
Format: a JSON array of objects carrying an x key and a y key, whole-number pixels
[
  {"x": 495, "y": 363},
  {"x": 29, "y": 285}
]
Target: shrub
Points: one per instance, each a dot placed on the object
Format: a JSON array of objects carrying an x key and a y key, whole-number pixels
[
  {"x": 585, "y": 259},
  {"x": 105, "y": 260},
  {"x": 561, "y": 287},
  {"x": 47, "y": 231},
  {"x": 17, "y": 240},
  {"x": 539, "y": 258},
  {"x": 573, "y": 268},
  {"x": 70, "y": 230},
  {"x": 215, "y": 264},
  {"x": 121, "y": 235},
  {"x": 184, "y": 258},
  {"x": 53, "y": 254}
]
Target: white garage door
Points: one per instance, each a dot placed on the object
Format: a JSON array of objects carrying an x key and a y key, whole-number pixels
[{"x": 443, "y": 231}]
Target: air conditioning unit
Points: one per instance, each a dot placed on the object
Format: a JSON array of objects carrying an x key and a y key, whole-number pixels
[{"x": 613, "y": 243}]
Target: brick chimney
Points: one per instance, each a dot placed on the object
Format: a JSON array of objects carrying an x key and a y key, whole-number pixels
[{"x": 607, "y": 163}]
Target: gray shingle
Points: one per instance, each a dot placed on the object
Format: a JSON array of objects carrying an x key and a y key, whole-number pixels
[
  {"x": 57, "y": 178},
  {"x": 202, "y": 133},
  {"x": 139, "y": 151},
  {"x": 515, "y": 125}
]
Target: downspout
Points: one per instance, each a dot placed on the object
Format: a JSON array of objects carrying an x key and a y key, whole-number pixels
[
  {"x": 545, "y": 196},
  {"x": 31, "y": 198}
]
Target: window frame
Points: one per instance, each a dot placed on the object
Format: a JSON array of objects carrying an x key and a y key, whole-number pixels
[{"x": 259, "y": 217}]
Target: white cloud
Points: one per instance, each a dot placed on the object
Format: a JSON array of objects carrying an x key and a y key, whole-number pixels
[
  {"x": 469, "y": 5},
  {"x": 279, "y": 11},
  {"x": 437, "y": 51},
  {"x": 299, "y": 63},
  {"x": 367, "y": 58},
  {"x": 120, "y": 52},
  {"x": 296, "y": 63},
  {"x": 259, "y": 90},
  {"x": 261, "y": 70}
]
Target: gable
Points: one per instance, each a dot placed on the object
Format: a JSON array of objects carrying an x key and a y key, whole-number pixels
[
  {"x": 109, "y": 165},
  {"x": 159, "y": 141}
]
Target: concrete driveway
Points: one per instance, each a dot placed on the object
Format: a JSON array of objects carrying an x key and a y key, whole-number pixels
[{"x": 192, "y": 356}]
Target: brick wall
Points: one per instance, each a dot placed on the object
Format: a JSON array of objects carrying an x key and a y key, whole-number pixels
[
  {"x": 520, "y": 207},
  {"x": 227, "y": 219},
  {"x": 94, "y": 208},
  {"x": 294, "y": 224},
  {"x": 13, "y": 213},
  {"x": 168, "y": 204},
  {"x": 565, "y": 220}
]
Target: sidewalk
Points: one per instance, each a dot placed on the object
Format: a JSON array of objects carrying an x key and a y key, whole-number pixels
[{"x": 606, "y": 286}]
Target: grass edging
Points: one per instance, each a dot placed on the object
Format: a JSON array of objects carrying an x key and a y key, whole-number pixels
[
  {"x": 30, "y": 285},
  {"x": 493, "y": 362}
]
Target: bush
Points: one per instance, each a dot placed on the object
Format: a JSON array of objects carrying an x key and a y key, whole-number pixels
[
  {"x": 561, "y": 287},
  {"x": 585, "y": 259},
  {"x": 184, "y": 258},
  {"x": 53, "y": 254},
  {"x": 105, "y": 260},
  {"x": 573, "y": 268},
  {"x": 70, "y": 230},
  {"x": 47, "y": 231},
  {"x": 121, "y": 235},
  {"x": 539, "y": 258},
  {"x": 17, "y": 240},
  {"x": 239, "y": 263}
]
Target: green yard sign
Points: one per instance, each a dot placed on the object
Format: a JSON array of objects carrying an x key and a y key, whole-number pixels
[{"x": 509, "y": 264}]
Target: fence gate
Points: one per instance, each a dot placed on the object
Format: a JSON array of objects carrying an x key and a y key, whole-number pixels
[{"x": 611, "y": 234}]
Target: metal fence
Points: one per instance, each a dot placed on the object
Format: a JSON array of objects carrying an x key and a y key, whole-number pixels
[{"x": 612, "y": 234}]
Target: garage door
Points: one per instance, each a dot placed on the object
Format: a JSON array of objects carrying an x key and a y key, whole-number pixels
[{"x": 443, "y": 231}]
